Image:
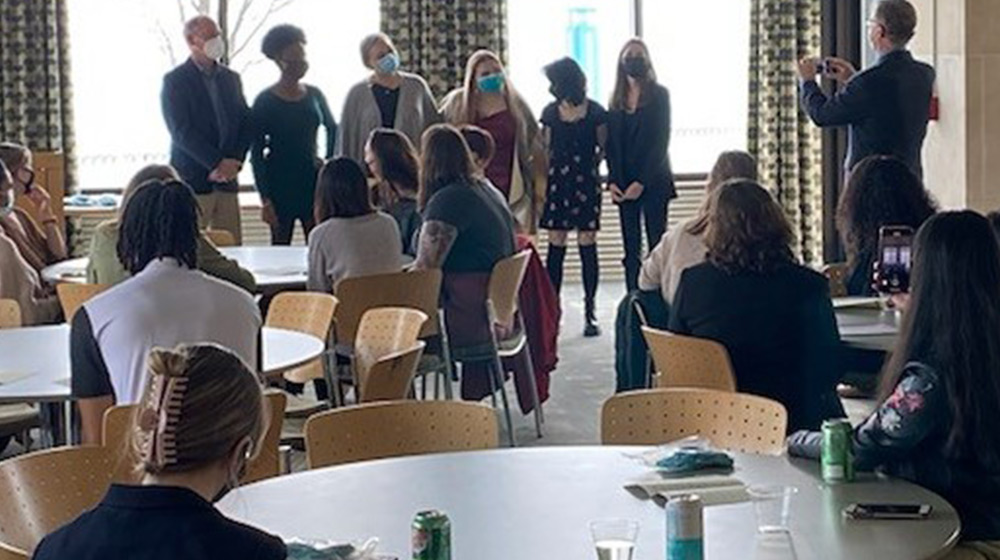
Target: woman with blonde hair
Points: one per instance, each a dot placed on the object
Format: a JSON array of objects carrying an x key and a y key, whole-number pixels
[
  {"x": 200, "y": 422},
  {"x": 488, "y": 100}
]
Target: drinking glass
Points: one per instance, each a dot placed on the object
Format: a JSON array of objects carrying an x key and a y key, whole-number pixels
[
  {"x": 772, "y": 506},
  {"x": 614, "y": 539}
]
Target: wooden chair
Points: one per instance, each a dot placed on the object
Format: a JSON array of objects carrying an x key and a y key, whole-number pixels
[
  {"x": 390, "y": 378},
  {"x": 836, "y": 274},
  {"x": 73, "y": 296},
  {"x": 399, "y": 428},
  {"x": 501, "y": 310},
  {"x": 47, "y": 489},
  {"x": 10, "y": 553},
  {"x": 685, "y": 361},
  {"x": 381, "y": 332},
  {"x": 305, "y": 312},
  {"x": 221, "y": 237},
  {"x": 117, "y": 427},
  {"x": 10, "y": 314},
  {"x": 732, "y": 421}
]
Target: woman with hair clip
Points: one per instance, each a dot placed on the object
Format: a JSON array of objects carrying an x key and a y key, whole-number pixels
[
  {"x": 936, "y": 420},
  {"x": 640, "y": 178},
  {"x": 200, "y": 422},
  {"x": 393, "y": 161},
  {"x": 488, "y": 100},
  {"x": 575, "y": 130}
]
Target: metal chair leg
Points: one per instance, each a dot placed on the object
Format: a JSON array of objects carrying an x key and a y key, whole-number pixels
[
  {"x": 449, "y": 366},
  {"x": 499, "y": 373}
]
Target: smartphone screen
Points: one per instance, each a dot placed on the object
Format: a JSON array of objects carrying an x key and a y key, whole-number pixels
[
  {"x": 888, "y": 511},
  {"x": 894, "y": 259}
]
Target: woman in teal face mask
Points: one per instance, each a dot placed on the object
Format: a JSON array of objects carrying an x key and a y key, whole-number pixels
[
  {"x": 488, "y": 100},
  {"x": 388, "y": 98}
]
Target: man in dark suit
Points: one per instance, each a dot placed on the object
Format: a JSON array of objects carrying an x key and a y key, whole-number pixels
[
  {"x": 886, "y": 106},
  {"x": 209, "y": 124}
]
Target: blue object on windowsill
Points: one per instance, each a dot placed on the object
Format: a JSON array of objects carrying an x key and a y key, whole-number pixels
[{"x": 91, "y": 201}]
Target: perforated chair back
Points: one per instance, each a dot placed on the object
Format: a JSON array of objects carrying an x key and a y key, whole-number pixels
[
  {"x": 43, "y": 491},
  {"x": 732, "y": 421},
  {"x": 308, "y": 313},
  {"x": 221, "y": 237},
  {"x": 73, "y": 296},
  {"x": 384, "y": 331},
  {"x": 398, "y": 428},
  {"x": 10, "y": 553},
  {"x": 267, "y": 463},
  {"x": 10, "y": 314},
  {"x": 685, "y": 361},
  {"x": 391, "y": 376},
  {"x": 836, "y": 275},
  {"x": 505, "y": 286},
  {"x": 418, "y": 289}
]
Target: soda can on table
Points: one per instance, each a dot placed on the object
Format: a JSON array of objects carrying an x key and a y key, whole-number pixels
[
  {"x": 838, "y": 455},
  {"x": 685, "y": 528},
  {"x": 431, "y": 536}
]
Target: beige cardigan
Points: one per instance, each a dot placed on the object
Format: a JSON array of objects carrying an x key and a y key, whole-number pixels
[
  {"x": 415, "y": 112},
  {"x": 20, "y": 282}
]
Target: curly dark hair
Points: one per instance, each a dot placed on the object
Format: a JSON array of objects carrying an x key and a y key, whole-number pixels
[
  {"x": 567, "y": 80},
  {"x": 280, "y": 37},
  {"x": 747, "y": 229},
  {"x": 882, "y": 191}
]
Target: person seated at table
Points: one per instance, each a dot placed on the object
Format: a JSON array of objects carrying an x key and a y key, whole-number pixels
[
  {"x": 104, "y": 267},
  {"x": 935, "y": 424},
  {"x": 18, "y": 280},
  {"x": 393, "y": 161},
  {"x": 881, "y": 191},
  {"x": 684, "y": 245},
  {"x": 773, "y": 315},
  {"x": 166, "y": 302},
  {"x": 352, "y": 238},
  {"x": 40, "y": 245},
  {"x": 467, "y": 229},
  {"x": 201, "y": 420}
]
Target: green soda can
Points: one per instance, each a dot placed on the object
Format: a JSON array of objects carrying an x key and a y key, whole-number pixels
[
  {"x": 838, "y": 456},
  {"x": 431, "y": 536}
]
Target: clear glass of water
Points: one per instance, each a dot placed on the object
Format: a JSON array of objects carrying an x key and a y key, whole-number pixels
[
  {"x": 772, "y": 505},
  {"x": 614, "y": 539}
]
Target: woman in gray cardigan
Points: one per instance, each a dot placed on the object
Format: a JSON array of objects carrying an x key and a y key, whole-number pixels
[{"x": 388, "y": 98}]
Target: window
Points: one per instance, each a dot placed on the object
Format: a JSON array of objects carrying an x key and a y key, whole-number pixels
[
  {"x": 119, "y": 63},
  {"x": 700, "y": 51}
]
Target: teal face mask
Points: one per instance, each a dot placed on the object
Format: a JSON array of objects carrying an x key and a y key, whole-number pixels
[{"x": 492, "y": 83}]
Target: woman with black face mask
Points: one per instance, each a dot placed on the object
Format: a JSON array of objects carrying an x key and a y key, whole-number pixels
[
  {"x": 575, "y": 130},
  {"x": 284, "y": 154},
  {"x": 639, "y": 175}
]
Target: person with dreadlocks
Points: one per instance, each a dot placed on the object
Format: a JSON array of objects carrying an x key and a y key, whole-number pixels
[{"x": 166, "y": 302}]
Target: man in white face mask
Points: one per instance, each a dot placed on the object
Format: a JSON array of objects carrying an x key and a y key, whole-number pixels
[{"x": 209, "y": 124}]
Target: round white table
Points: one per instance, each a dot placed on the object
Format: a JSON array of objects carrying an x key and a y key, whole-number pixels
[
  {"x": 868, "y": 329},
  {"x": 537, "y": 503},
  {"x": 35, "y": 360}
]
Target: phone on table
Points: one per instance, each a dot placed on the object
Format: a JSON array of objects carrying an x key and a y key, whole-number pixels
[
  {"x": 887, "y": 511},
  {"x": 895, "y": 255}
]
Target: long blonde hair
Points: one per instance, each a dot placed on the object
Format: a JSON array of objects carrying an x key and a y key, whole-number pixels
[
  {"x": 470, "y": 91},
  {"x": 620, "y": 94}
]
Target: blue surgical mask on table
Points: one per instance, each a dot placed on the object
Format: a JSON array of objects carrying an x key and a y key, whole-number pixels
[
  {"x": 387, "y": 64},
  {"x": 492, "y": 83}
]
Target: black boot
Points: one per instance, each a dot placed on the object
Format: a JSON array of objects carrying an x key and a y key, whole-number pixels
[
  {"x": 554, "y": 264},
  {"x": 591, "y": 277}
]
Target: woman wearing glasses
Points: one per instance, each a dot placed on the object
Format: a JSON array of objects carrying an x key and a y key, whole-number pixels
[{"x": 40, "y": 244}]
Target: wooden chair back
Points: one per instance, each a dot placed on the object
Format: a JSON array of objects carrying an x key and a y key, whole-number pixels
[
  {"x": 505, "y": 286},
  {"x": 391, "y": 376},
  {"x": 8, "y": 552},
  {"x": 267, "y": 463},
  {"x": 731, "y": 421},
  {"x": 398, "y": 428},
  {"x": 384, "y": 331},
  {"x": 836, "y": 275},
  {"x": 10, "y": 314},
  {"x": 685, "y": 361},
  {"x": 221, "y": 237},
  {"x": 45, "y": 490},
  {"x": 305, "y": 312},
  {"x": 73, "y": 296},
  {"x": 417, "y": 289}
]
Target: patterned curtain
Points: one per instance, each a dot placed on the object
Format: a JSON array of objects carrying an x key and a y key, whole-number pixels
[
  {"x": 35, "y": 91},
  {"x": 786, "y": 144},
  {"x": 435, "y": 37}
]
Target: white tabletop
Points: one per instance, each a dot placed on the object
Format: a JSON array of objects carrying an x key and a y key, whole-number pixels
[
  {"x": 35, "y": 360},
  {"x": 868, "y": 329},
  {"x": 537, "y": 503}
]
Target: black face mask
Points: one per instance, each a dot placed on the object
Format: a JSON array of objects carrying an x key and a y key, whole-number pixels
[{"x": 636, "y": 66}]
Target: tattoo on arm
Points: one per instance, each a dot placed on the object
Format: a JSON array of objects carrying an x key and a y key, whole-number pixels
[{"x": 436, "y": 240}]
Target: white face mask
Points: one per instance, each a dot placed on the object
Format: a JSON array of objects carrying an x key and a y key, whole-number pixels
[{"x": 214, "y": 48}]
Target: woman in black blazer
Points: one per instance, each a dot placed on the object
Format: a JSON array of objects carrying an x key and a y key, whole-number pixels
[
  {"x": 773, "y": 315},
  {"x": 640, "y": 178}
]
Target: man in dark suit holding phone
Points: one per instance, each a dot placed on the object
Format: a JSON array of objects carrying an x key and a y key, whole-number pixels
[
  {"x": 209, "y": 124},
  {"x": 887, "y": 106}
]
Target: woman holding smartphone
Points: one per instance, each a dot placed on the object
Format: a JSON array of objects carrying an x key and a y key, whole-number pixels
[
  {"x": 935, "y": 424},
  {"x": 639, "y": 173}
]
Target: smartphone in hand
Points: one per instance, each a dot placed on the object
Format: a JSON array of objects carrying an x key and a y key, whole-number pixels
[{"x": 895, "y": 255}]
